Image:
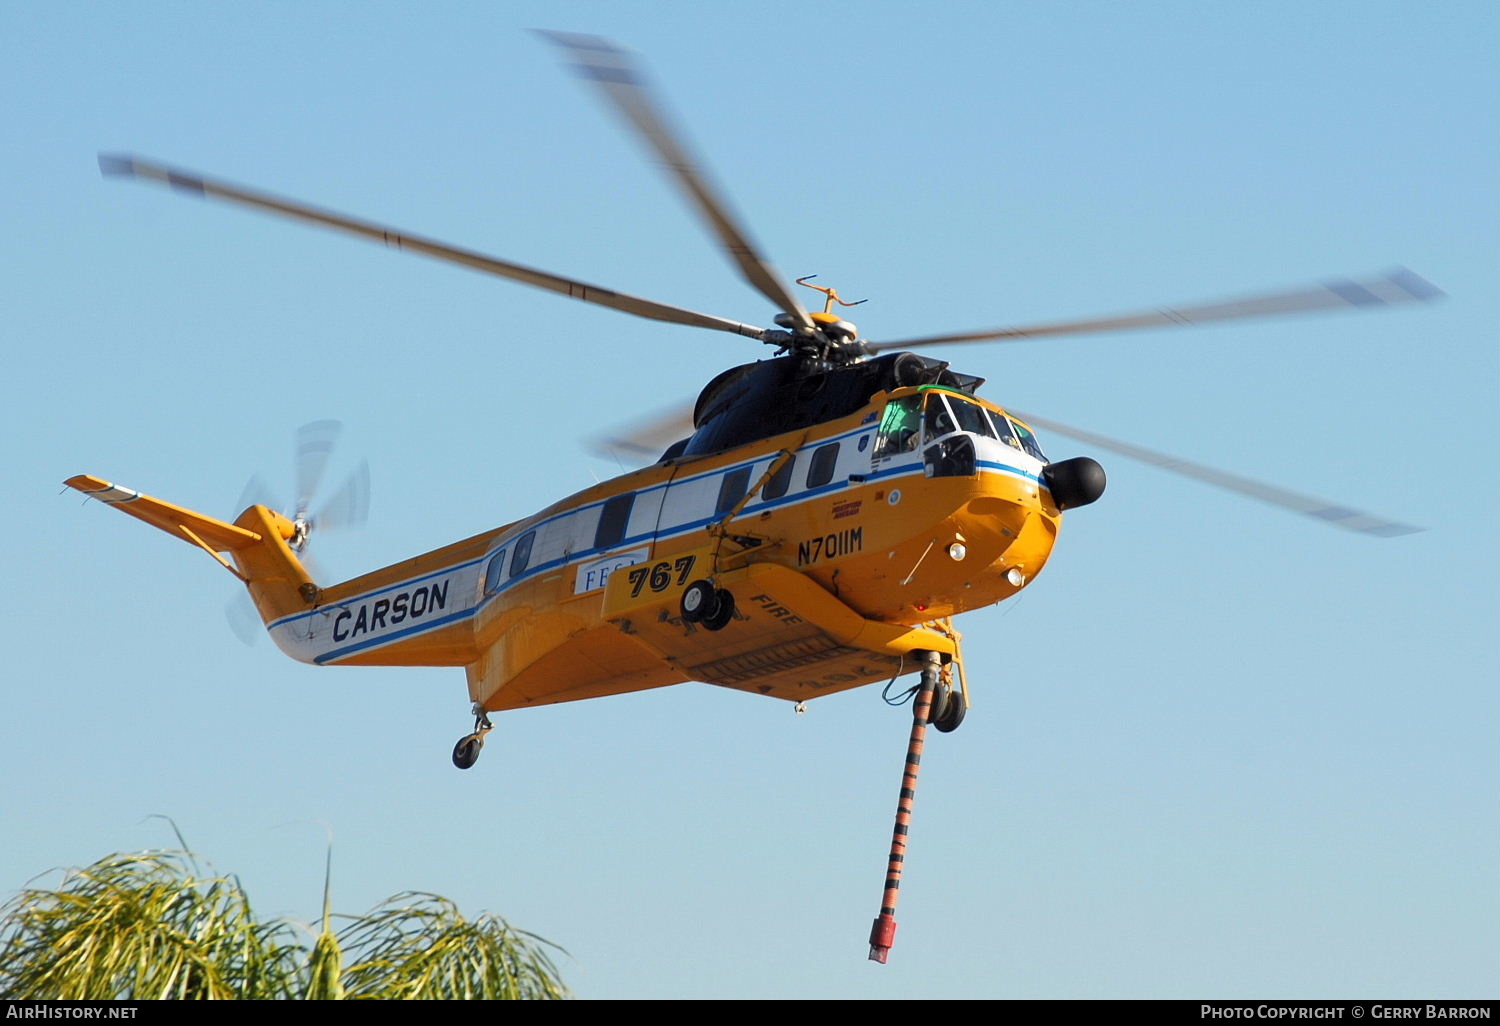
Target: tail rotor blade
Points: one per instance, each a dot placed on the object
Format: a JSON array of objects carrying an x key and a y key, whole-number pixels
[
  {"x": 315, "y": 444},
  {"x": 243, "y": 618},
  {"x": 350, "y": 505},
  {"x": 314, "y": 569},
  {"x": 258, "y": 493}
]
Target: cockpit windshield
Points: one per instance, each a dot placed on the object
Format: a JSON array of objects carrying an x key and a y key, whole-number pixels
[
  {"x": 942, "y": 413},
  {"x": 970, "y": 416},
  {"x": 1028, "y": 440},
  {"x": 937, "y": 421},
  {"x": 1003, "y": 430}
]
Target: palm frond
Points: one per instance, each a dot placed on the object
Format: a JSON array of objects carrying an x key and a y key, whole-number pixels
[
  {"x": 419, "y": 945},
  {"x": 144, "y": 926},
  {"x": 152, "y": 925}
]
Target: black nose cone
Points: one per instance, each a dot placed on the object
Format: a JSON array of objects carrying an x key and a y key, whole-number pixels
[{"x": 1075, "y": 482}]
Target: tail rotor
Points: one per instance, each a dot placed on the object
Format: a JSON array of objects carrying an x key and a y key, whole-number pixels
[{"x": 348, "y": 506}]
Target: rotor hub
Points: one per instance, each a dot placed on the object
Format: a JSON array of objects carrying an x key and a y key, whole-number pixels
[{"x": 302, "y": 527}]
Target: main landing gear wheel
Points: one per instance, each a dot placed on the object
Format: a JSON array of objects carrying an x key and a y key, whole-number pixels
[
  {"x": 718, "y": 618},
  {"x": 705, "y": 604},
  {"x": 698, "y": 601},
  {"x": 939, "y": 703},
  {"x": 466, "y": 752}
]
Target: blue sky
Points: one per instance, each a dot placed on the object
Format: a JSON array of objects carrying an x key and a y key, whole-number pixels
[{"x": 1215, "y": 750}]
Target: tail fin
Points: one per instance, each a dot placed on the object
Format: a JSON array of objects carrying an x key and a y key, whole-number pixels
[{"x": 256, "y": 543}]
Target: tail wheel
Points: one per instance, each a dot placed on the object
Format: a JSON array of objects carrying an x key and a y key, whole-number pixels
[
  {"x": 718, "y": 618},
  {"x": 466, "y": 752},
  {"x": 947, "y": 716}
]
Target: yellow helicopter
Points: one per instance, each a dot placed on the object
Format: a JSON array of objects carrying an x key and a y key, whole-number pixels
[{"x": 824, "y": 516}]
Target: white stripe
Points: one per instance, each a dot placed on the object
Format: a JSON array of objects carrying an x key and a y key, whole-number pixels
[
  {"x": 114, "y": 493},
  {"x": 663, "y": 533}
]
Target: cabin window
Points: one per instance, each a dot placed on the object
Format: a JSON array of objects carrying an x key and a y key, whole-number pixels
[
  {"x": 613, "y": 519},
  {"x": 732, "y": 489},
  {"x": 522, "y": 554},
  {"x": 493, "y": 572},
  {"x": 970, "y": 416},
  {"x": 899, "y": 427},
  {"x": 1028, "y": 440},
  {"x": 780, "y": 481},
  {"x": 939, "y": 421},
  {"x": 820, "y": 470}
]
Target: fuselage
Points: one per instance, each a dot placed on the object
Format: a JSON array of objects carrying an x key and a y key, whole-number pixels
[{"x": 922, "y": 503}]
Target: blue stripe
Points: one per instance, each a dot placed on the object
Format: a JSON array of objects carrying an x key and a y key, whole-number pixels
[
  {"x": 672, "y": 532},
  {"x": 1006, "y": 468},
  {"x": 530, "y": 573},
  {"x": 371, "y": 594},
  {"x": 524, "y": 526},
  {"x": 906, "y": 469},
  {"x": 339, "y": 653}
]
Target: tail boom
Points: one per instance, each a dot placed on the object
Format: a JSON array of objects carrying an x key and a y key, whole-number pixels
[{"x": 415, "y": 613}]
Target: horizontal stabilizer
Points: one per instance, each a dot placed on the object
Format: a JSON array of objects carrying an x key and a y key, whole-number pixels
[{"x": 181, "y": 523}]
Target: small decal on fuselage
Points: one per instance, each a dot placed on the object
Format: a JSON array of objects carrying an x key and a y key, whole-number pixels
[
  {"x": 595, "y": 575},
  {"x": 776, "y": 609}
]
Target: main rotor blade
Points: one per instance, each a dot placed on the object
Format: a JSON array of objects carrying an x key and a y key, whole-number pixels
[
  {"x": 647, "y": 437},
  {"x": 618, "y": 77},
  {"x": 1397, "y": 286},
  {"x": 1319, "y": 509},
  {"x": 186, "y": 181}
]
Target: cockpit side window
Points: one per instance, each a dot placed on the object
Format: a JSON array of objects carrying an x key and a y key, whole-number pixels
[
  {"x": 899, "y": 427},
  {"x": 938, "y": 421}
]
